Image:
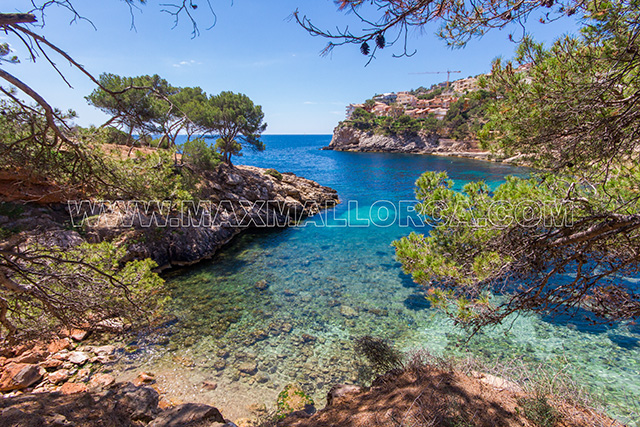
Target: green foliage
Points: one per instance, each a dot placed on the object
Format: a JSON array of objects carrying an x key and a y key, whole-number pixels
[
  {"x": 538, "y": 410},
  {"x": 236, "y": 120},
  {"x": 274, "y": 173},
  {"x": 466, "y": 116},
  {"x": 481, "y": 238},
  {"x": 5, "y": 51},
  {"x": 571, "y": 109},
  {"x": 431, "y": 93},
  {"x": 379, "y": 353},
  {"x": 575, "y": 104},
  {"x": 150, "y": 176},
  {"x": 138, "y": 103},
  {"x": 388, "y": 126},
  {"x": 94, "y": 284},
  {"x": 200, "y": 155}
]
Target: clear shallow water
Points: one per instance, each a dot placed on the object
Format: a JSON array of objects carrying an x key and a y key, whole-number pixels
[{"x": 281, "y": 306}]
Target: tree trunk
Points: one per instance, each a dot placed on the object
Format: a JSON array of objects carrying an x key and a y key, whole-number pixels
[{"x": 16, "y": 18}]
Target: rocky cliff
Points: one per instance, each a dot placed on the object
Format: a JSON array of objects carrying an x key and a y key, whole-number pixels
[
  {"x": 347, "y": 138},
  {"x": 233, "y": 200}
]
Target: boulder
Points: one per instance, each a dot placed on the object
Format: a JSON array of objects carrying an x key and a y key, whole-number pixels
[
  {"x": 144, "y": 378},
  {"x": 186, "y": 415},
  {"x": 102, "y": 381},
  {"x": 73, "y": 388},
  {"x": 248, "y": 367},
  {"x": 339, "y": 391},
  {"x": 140, "y": 402},
  {"x": 105, "y": 350},
  {"x": 17, "y": 376},
  {"x": 76, "y": 334},
  {"x": 496, "y": 382},
  {"x": 59, "y": 376},
  {"x": 293, "y": 399},
  {"x": 347, "y": 311},
  {"x": 51, "y": 364},
  {"x": 78, "y": 357}
]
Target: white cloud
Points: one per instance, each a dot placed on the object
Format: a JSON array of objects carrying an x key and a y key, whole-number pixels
[
  {"x": 187, "y": 63},
  {"x": 310, "y": 103}
]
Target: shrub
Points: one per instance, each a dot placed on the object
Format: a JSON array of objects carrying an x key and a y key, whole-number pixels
[
  {"x": 379, "y": 353},
  {"x": 200, "y": 155},
  {"x": 538, "y": 410},
  {"x": 274, "y": 173}
]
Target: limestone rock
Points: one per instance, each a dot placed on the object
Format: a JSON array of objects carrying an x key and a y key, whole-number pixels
[
  {"x": 140, "y": 402},
  {"x": 346, "y": 138},
  {"x": 78, "y": 357},
  {"x": 497, "y": 382},
  {"x": 51, "y": 364},
  {"x": 105, "y": 350},
  {"x": 209, "y": 385},
  {"x": 59, "y": 345},
  {"x": 144, "y": 378},
  {"x": 239, "y": 196},
  {"x": 17, "y": 376},
  {"x": 187, "y": 414},
  {"x": 249, "y": 367}
]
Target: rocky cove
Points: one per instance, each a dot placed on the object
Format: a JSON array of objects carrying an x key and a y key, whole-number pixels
[{"x": 281, "y": 306}]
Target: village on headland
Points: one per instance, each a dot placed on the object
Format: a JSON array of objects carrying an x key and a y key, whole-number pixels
[
  {"x": 444, "y": 119},
  {"x": 419, "y": 103}
]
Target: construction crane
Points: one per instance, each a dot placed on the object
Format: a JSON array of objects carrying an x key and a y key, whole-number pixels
[{"x": 448, "y": 72}]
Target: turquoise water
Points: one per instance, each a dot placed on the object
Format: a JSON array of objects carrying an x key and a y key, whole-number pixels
[{"x": 280, "y": 306}]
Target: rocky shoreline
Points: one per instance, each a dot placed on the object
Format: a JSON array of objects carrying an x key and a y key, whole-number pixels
[
  {"x": 347, "y": 138},
  {"x": 233, "y": 200}
]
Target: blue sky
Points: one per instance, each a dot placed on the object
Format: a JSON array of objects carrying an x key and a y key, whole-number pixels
[{"x": 253, "y": 49}]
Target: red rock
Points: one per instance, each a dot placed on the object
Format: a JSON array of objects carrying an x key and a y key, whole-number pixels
[
  {"x": 51, "y": 364},
  {"x": 83, "y": 374},
  {"x": 31, "y": 357},
  {"x": 102, "y": 381},
  {"x": 59, "y": 376},
  {"x": 16, "y": 376},
  {"x": 164, "y": 403},
  {"x": 72, "y": 388},
  {"x": 59, "y": 345},
  {"x": 144, "y": 378},
  {"x": 78, "y": 334}
]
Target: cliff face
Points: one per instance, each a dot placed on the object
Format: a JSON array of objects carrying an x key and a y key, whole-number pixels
[
  {"x": 233, "y": 200},
  {"x": 346, "y": 138}
]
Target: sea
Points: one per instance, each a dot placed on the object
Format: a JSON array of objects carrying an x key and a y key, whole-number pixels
[{"x": 280, "y": 306}]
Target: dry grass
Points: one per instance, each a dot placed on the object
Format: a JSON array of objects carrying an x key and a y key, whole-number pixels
[{"x": 435, "y": 391}]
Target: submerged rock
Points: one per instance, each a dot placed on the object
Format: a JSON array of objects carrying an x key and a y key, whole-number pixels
[
  {"x": 293, "y": 399},
  {"x": 249, "y": 367},
  {"x": 348, "y": 311}
]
